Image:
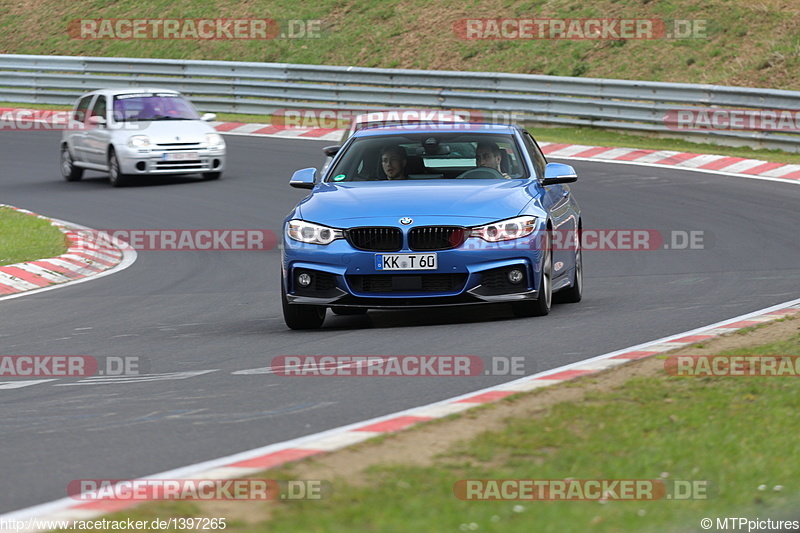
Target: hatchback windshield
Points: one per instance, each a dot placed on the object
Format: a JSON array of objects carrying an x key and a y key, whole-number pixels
[
  {"x": 439, "y": 155},
  {"x": 152, "y": 106}
]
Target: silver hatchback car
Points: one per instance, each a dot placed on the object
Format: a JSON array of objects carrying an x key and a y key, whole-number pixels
[{"x": 140, "y": 131}]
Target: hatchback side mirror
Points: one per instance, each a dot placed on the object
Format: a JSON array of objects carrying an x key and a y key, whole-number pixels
[{"x": 97, "y": 120}]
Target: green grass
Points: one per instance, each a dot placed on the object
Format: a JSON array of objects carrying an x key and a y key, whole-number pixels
[
  {"x": 737, "y": 434},
  {"x": 27, "y": 238},
  {"x": 35, "y": 106},
  {"x": 744, "y": 43}
]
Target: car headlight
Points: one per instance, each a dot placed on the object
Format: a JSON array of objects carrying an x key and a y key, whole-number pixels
[
  {"x": 139, "y": 141},
  {"x": 300, "y": 230},
  {"x": 505, "y": 230},
  {"x": 214, "y": 139}
]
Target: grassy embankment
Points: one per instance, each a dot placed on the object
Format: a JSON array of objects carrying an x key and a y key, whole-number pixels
[
  {"x": 26, "y": 238},
  {"x": 732, "y": 436},
  {"x": 755, "y": 44},
  {"x": 740, "y": 43}
]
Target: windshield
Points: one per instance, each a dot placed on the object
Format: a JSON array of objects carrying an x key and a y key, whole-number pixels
[
  {"x": 430, "y": 156},
  {"x": 152, "y": 106}
]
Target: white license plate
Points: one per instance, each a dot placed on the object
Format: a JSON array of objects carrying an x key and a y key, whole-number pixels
[
  {"x": 405, "y": 262},
  {"x": 180, "y": 156}
]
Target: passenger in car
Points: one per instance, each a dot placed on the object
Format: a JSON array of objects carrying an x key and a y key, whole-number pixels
[
  {"x": 488, "y": 154},
  {"x": 394, "y": 161}
]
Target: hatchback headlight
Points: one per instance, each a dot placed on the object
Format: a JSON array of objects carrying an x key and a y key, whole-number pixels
[
  {"x": 139, "y": 141},
  {"x": 505, "y": 230},
  {"x": 300, "y": 230},
  {"x": 214, "y": 140}
]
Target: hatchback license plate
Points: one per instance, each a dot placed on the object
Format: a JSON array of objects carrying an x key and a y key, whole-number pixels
[
  {"x": 180, "y": 156},
  {"x": 405, "y": 262}
]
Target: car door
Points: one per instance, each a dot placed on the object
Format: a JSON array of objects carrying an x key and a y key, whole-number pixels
[
  {"x": 97, "y": 135},
  {"x": 558, "y": 202},
  {"x": 76, "y": 134}
]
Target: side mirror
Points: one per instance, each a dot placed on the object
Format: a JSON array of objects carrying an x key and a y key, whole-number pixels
[
  {"x": 208, "y": 117},
  {"x": 558, "y": 173},
  {"x": 97, "y": 120},
  {"x": 331, "y": 151},
  {"x": 304, "y": 179}
]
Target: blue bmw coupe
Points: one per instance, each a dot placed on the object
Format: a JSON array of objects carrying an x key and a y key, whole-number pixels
[{"x": 420, "y": 215}]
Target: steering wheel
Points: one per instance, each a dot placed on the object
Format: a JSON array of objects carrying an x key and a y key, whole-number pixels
[{"x": 481, "y": 173}]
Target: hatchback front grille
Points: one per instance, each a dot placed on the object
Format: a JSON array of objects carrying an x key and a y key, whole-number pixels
[
  {"x": 181, "y": 165},
  {"x": 376, "y": 239},
  {"x": 176, "y": 146},
  {"x": 429, "y": 238}
]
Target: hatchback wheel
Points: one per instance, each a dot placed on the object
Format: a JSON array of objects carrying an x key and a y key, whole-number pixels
[
  {"x": 115, "y": 176},
  {"x": 68, "y": 168}
]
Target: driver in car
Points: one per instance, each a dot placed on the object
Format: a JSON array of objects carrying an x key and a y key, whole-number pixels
[
  {"x": 393, "y": 161},
  {"x": 488, "y": 154}
]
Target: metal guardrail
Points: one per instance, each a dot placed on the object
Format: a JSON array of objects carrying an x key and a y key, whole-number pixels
[{"x": 263, "y": 88}]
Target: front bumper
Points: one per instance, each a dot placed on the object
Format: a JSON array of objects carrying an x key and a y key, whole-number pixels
[
  {"x": 345, "y": 277},
  {"x": 346, "y": 300},
  {"x": 199, "y": 159}
]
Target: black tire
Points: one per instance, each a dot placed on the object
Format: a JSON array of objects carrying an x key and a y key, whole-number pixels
[
  {"x": 347, "y": 311},
  {"x": 117, "y": 178},
  {"x": 540, "y": 306},
  {"x": 68, "y": 168},
  {"x": 301, "y": 316},
  {"x": 574, "y": 294},
  {"x": 209, "y": 176}
]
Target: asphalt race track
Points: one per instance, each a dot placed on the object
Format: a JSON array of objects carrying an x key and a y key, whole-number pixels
[{"x": 198, "y": 317}]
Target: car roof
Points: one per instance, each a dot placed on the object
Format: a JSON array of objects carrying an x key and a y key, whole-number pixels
[
  {"x": 130, "y": 90},
  {"x": 444, "y": 127},
  {"x": 404, "y": 116}
]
